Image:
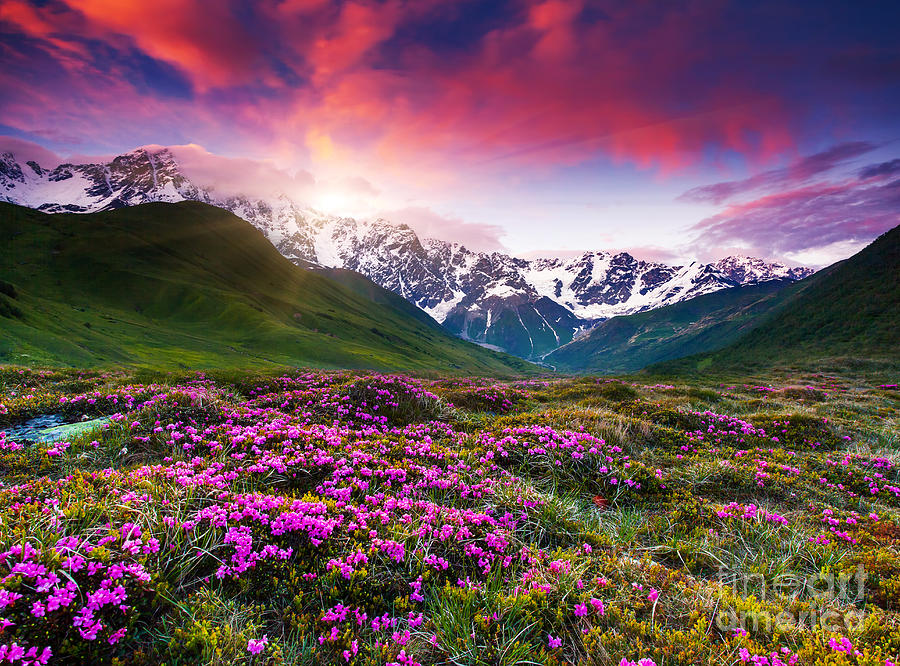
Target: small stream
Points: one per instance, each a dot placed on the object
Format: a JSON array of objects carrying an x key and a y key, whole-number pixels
[{"x": 51, "y": 428}]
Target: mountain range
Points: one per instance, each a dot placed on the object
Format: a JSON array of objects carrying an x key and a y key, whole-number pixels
[
  {"x": 525, "y": 307},
  {"x": 190, "y": 285}
]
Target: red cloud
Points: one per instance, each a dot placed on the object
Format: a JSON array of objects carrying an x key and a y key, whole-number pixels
[
  {"x": 554, "y": 19},
  {"x": 358, "y": 28},
  {"x": 26, "y": 17},
  {"x": 204, "y": 38}
]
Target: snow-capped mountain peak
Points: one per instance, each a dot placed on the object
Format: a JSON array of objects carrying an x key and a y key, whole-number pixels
[
  {"x": 751, "y": 270},
  {"x": 526, "y": 307}
]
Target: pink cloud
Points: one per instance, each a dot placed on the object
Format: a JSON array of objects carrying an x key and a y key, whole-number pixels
[
  {"x": 26, "y": 151},
  {"x": 238, "y": 175},
  {"x": 429, "y": 224},
  {"x": 527, "y": 96}
]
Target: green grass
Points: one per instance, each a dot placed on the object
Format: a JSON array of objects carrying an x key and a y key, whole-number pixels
[{"x": 191, "y": 286}]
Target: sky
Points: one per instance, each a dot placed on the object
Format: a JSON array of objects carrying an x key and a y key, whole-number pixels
[{"x": 674, "y": 130}]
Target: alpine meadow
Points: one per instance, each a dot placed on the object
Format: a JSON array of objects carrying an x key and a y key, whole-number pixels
[{"x": 452, "y": 333}]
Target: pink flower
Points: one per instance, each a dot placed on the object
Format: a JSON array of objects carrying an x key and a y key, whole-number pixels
[
  {"x": 553, "y": 642},
  {"x": 12, "y": 653},
  {"x": 843, "y": 646},
  {"x": 653, "y": 596},
  {"x": 255, "y": 646},
  {"x": 117, "y": 636},
  {"x": 581, "y": 610}
]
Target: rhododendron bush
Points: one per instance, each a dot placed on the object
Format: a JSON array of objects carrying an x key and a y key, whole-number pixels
[{"x": 341, "y": 518}]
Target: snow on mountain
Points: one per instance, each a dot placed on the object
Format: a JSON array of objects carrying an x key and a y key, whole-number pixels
[
  {"x": 751, "y": 270},
  {"x": 132, "y": 178},
  {"x": 526, "y": 307},
  {"x": 599, "y": 285}
]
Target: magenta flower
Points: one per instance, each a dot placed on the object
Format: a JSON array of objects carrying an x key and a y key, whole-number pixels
[
  {"x": 255, "y": 646},
  {"x": 116, "y": 636}
]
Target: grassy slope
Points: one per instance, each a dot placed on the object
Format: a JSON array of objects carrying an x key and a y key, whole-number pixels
[
  {"x": 704, "y": 323},
  {"x": 850, "y": 310},
  {"x": 191, "y": 285},
  {"x": 360, "y": 284}
]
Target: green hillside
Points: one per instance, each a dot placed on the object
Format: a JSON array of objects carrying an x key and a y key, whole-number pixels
[
  {"x": 190, "y": 285},
  {"x": 360, "y": 284},
  {"x": 701, "y": 324},
  {"x": 850, "y": 310}
]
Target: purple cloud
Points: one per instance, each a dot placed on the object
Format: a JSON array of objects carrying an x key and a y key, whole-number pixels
[
  {"x": 883, "y": 169},
  {"x": 799, "y": 172},
  {"x": 803, "y": 222}
]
